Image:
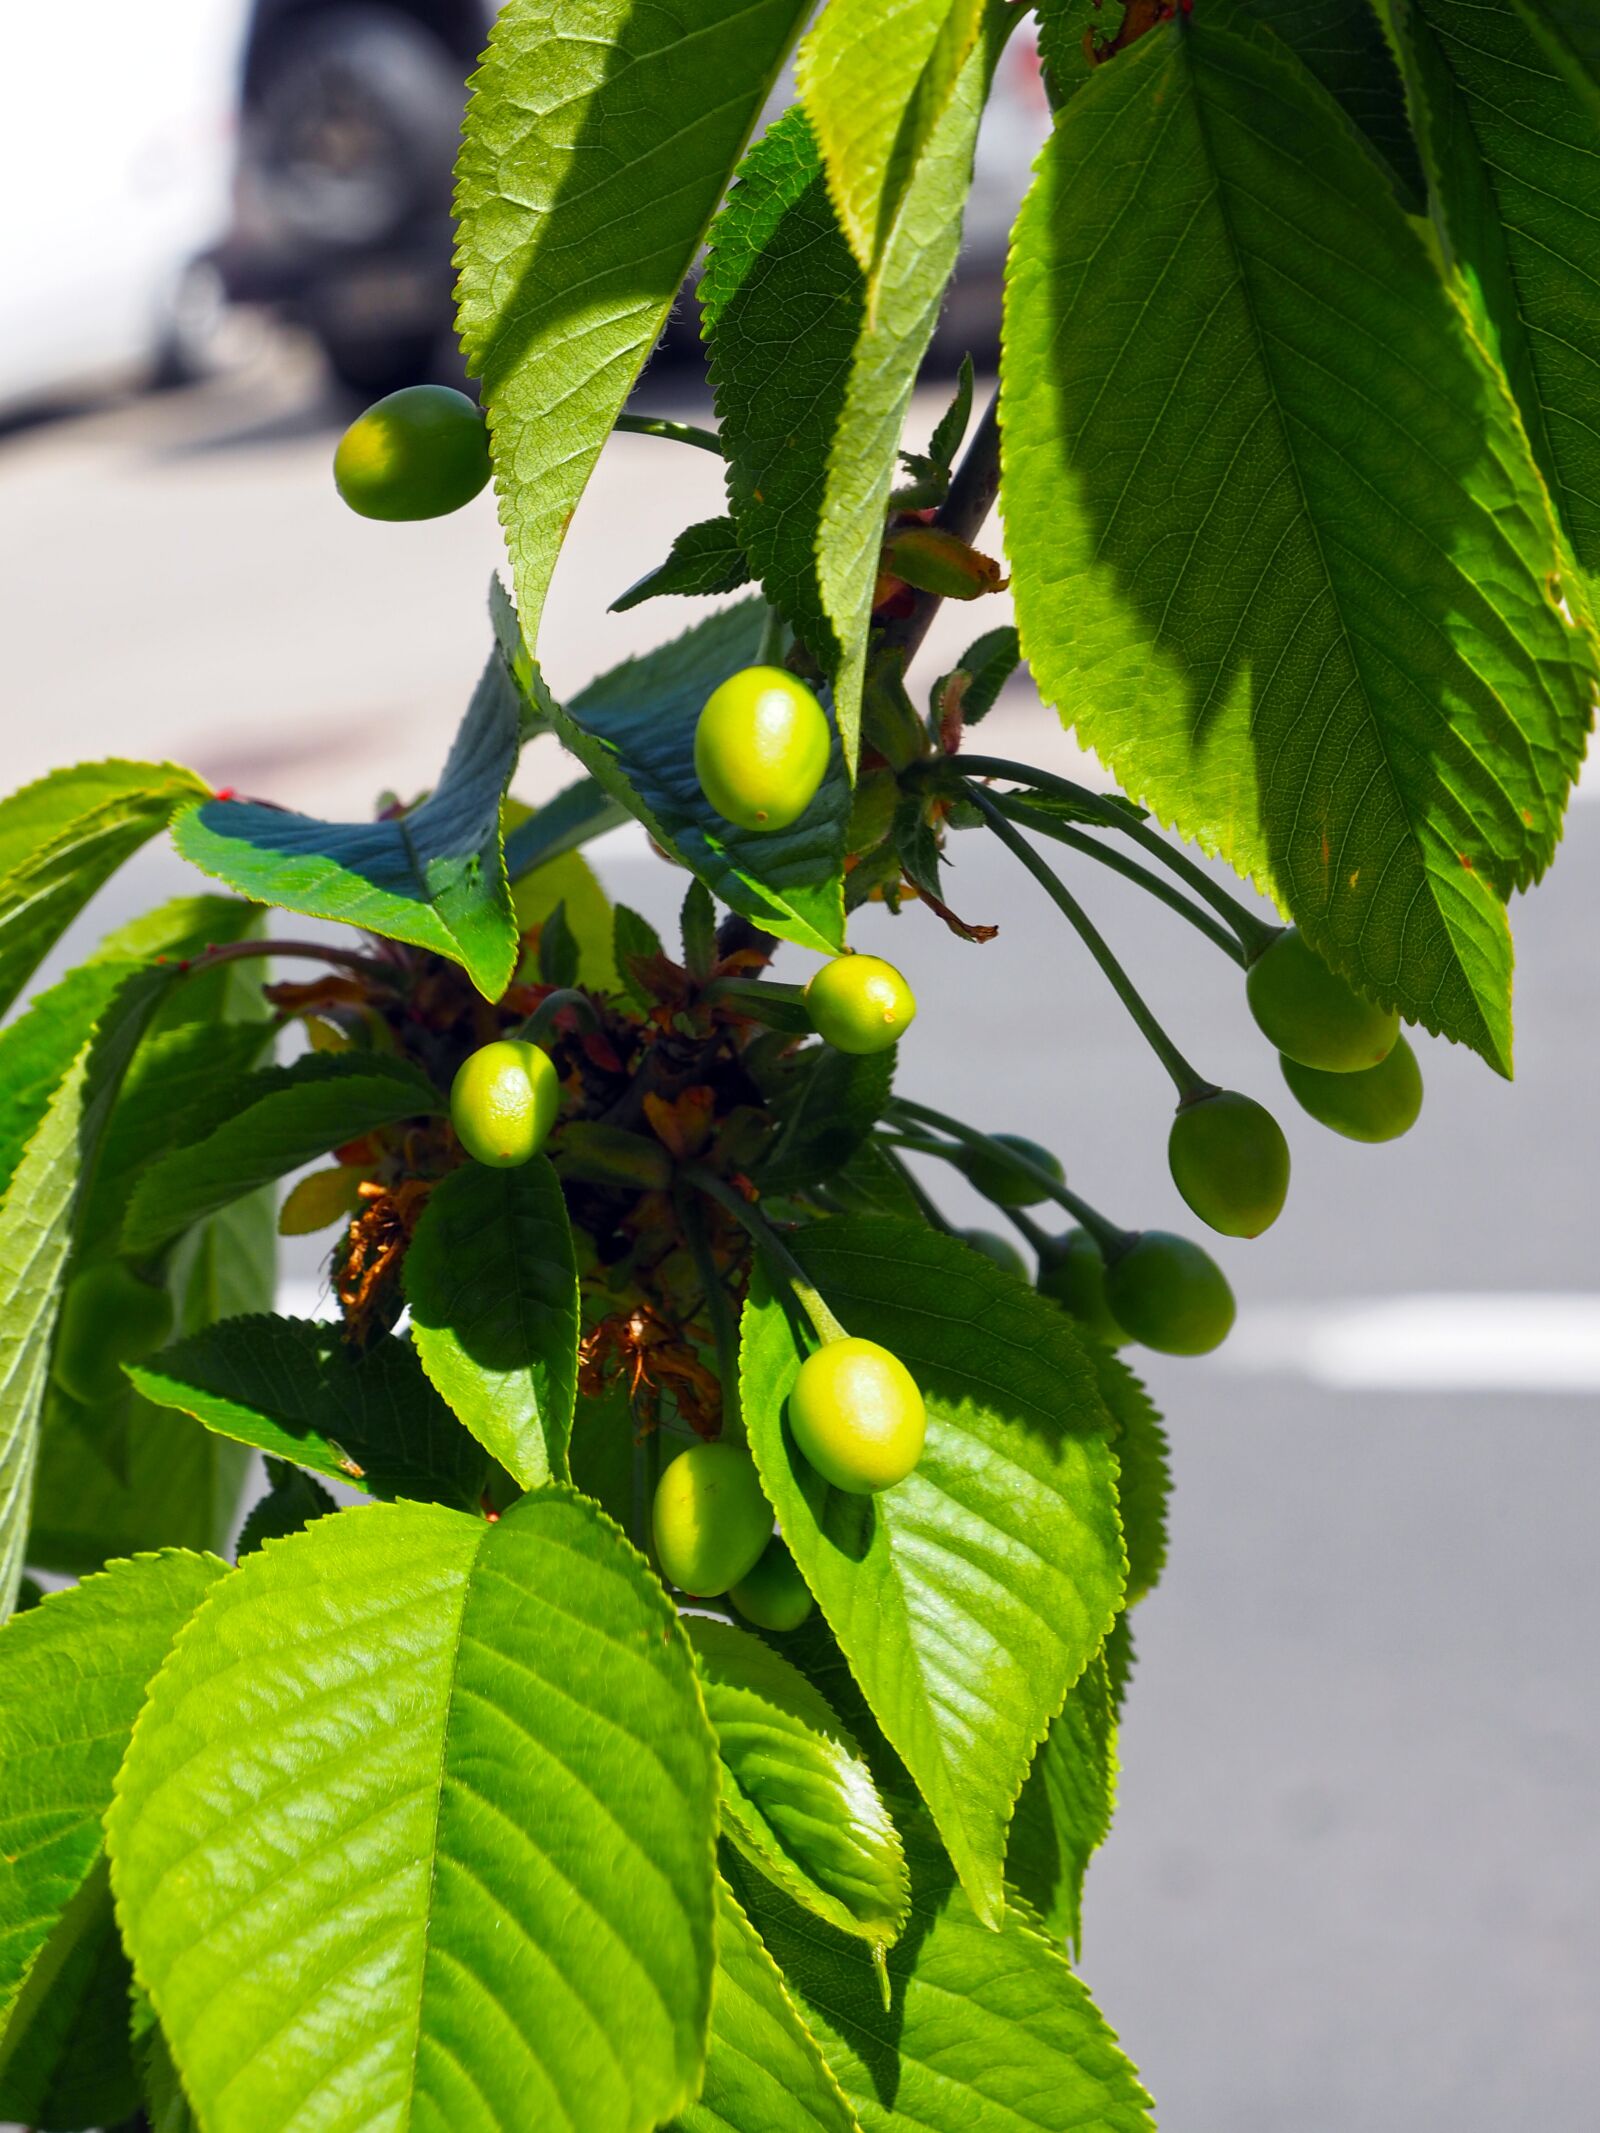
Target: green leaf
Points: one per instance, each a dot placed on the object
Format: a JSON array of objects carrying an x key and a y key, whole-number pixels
[
  {"x": 434, "y": 877},
  {"x": 968, "y": 1598},
  {"x": 1064, "y": 1813},
  {"x": 493, "y": 1288},
  {"x": 578, "y": 812},
  {"x": 798, "y": 1799},
  {"x": 635, "y": 945},
  {"x": 916, "y": 263},
  {"x": 61, "y": 838},
  {"x": 1342, "y": 43},
  {"x": 288, "y": 1116},
  {"x": 985, "y": 2031},
  {"x": 982, "y": 671},
  {"x": 295, "y": 1388},
  {"x": 66, "y": 2057},
  {"x": 596, "y": 149},
  {"x": 38, "y": 1229},
  {"x": 73, "y": 1673},
  {"x": 289, "y": 1506},
  {"x": 705, "y": 558},
  {"x": 698, "y": 925},
  {"x": 38, "y": 1048},
  {"x": 782, "y": 302},
  {"x": 826, "y": 1105},
  {"x": 558, "y": 949},
  {"x": 569, "y": 880},
  {"x": 1281, "y": 554},
  {"x": 1570, "y": 33},
  {"x": 1144, "y": 1480},
  {"x": 601, "y": 1454},
  {"x": 764, "y": 2071},
  {"x": 874, "y": 79},
  {"x": 872, "y": 1182},
  {"x": 1512, "y": 152},
  {"x": 634, "y": 729},
  {"x": 418, "y": 1825}
]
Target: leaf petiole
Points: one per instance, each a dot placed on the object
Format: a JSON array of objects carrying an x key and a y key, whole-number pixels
[
  {"x": 675, "y": 432},
  {"x": 767, "y": 1241}
]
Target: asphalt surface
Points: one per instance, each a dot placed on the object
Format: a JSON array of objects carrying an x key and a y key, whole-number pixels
[{"x": 1354, "y": 1885}]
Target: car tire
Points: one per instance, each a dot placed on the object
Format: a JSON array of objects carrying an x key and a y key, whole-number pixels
[{"x": 353, "y": 127}]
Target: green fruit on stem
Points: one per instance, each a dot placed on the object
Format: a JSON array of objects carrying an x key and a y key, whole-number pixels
[
  {"x": 774, "y": 1595},
  {"x": 993, "y": 1246},
  {"x": 108, "y": 1317},
  {"x": 1230, "y": 1161},
  {"x": 1378, "y": 1104},
  {"x": 996, "y": 1179},
  {"x": 503, "y": 1102},
  {"x": 857, "y": 1416},
  {"x": 860, "y": 1003},
  {"x": 761, "y": 748},
  {"x": 710, "y": 1519},
  {"x": 1311, "y": 1014},
  {"x": 417, "y": 454},
  {"x": 1074, "y": 1273},
  {"x": 1168, "y": 1293}
]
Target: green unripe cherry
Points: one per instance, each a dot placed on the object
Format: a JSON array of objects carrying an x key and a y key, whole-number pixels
[
  {"x": 1074, "y": 1273},
  {"x": 1168, "y": 1293},
  {"x": 503, "y": 1102},
  {"x": 1378, "y": 1104},
  {"x": 1230, "y": 1161},
  {"x": 417, "y": 454},
  {"x": 774, "y": 1595},
  {"x": 761, "y": 748},
  {"x": 1311, "y": 1014},
  {"x": 997, "y": 1181},
  {"x": 108, "y": 1317},
  {"x": 857, "y": 1416},
  {"x": 993, "y": 1246},
  {"x": 710, "y": 1519},
  {"x": 860, "y": 1003}
]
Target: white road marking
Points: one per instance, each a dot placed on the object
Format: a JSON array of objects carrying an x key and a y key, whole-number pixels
[{"x": 1428, "y": 1343}]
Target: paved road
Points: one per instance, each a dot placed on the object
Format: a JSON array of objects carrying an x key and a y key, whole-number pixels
[{"x": 1355, "y": 1881}]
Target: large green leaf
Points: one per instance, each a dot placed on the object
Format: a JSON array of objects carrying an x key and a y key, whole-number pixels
[
  {"x": 705, "y": 558},
  {"x": 968, "y": 1598},
  {"x": 417, "y": 1830},
  {"x": 493, "y": 1288},
  {"x": 874, "y": 78},
  {"x": 1279, "y": 551},
  {"x": 634, "y": 729},
  {"x": 984, "y": 2031},
  {"x": 915, "y": 263},
  {"x": 38, "y": 1229},
  {"x": 1515, "y": 159},
  {"x": 73, "y": 1674},
  {"x": 764, "y": 2071},
  {"x": 38, "y": 1048},
  {"x": 826, "y": 1105},
  {"x": 1065, "y": 1809},
  {"x": 295, "y": 1388},
  {"x": 578, "y": 812},
  {"x": 1569, "y": 30},
  {"x": 1343, "y": 44},
  {"x": 66, "y": 2056},
  {"x": 61, "y": 838},
  {"x": 597, "y": 145},
  {"x": 782, "y": 302},
  {"x": 435, "y": 877},
  {"x": 798, "y": 1799},
  {"x": 286, "y": 1117}
]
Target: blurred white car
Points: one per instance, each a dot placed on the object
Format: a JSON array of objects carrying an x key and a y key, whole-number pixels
[{"x": 117, "y": 150}]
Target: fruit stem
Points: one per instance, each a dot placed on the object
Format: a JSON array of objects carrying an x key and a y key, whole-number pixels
[
  {"x": 774, "y": 640},
  {"x": 719, "y": 1310},
  {"x": 1041, "y": 1241},
  {"x": 770, "y": 1244},
  {"x": 539, "y": 1024},
  {"x": 678, "y": 432},
  {"x": 1104, "y": 1232},
  {"x": 1108, "y": 856},
  {"x": 1255, "y": 935},
  {"x": 1186, "y": 1081}
]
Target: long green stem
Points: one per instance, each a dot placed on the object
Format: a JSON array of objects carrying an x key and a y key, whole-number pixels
[
  {"x": 774, "y": 640},
  {"x": 539, "y": 1024},
  {"x": 1254, "y": 934},
  {"x": 1041, "y": 1240},
  {"x": 772, "y": 1248},
  {"x": 1104, "y": 1231},
  {"x": 678, "y": 432},
  {"x": 719, "y": 1310},
  {"x": 1188, "y": 1083},
  {"x": 1107, "y": 854}
]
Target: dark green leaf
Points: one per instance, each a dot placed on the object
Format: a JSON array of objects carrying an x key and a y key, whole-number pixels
[
  {"x": 596, "y": 150},
  {"x": 578, "y": 812},
  {"x": 826, "y": 1105},
  {"x": 294, "y": 1387},
  {"x": 635, "y": 946},
  {"x": 601, "y": 1454},
  {"x": 558, "y": 951},
  {"x": 288, "y": 1116},
  {"x": 872, "y": 1182},
  {"x": 1380, "y": 725},
  {"x": 289, "y": 1506},
  {"x": 968, "y": 1598},
  {"x": 1569, "y": 30},
  {"x": 493, "y": 1288},
  {"x": 433, "y": 1799},
  {"x": 705, "y": 558},
  {"x": 982, "y": 671},
  {"x": 699, "y": 926},
  {"x": 1342, "y": 43},
  {"x": 1144, "y": 1480},
  {"x": 65, "y": 2055},
  {"x": 434, "y": 877},
  {"x": 951, "y": 426},
  {"x": 1064, "y": 1812}
]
